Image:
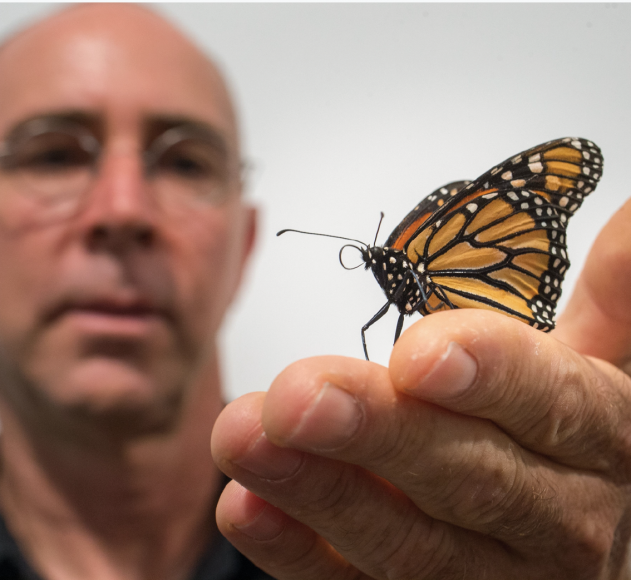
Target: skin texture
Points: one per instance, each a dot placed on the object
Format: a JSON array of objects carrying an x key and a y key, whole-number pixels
[
  {"x": 485, "y": 450},
  {"x": 106, "y": 414}
]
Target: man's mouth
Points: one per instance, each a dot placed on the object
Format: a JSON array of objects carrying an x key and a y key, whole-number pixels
[{"x": 110, "y": 317}]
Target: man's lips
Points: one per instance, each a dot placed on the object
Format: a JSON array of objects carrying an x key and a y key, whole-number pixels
[{"x": 110, "y": 316}]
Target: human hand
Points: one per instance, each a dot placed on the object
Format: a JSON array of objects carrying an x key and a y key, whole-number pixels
[{"x": 486, "y": 450}]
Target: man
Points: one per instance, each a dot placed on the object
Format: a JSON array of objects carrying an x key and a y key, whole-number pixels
[
  {"x": 486, "y": 450},
  {"x": 118, "y": 269}
]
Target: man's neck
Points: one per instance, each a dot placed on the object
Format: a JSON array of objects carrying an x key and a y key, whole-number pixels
[{"x": 143, "y": 511}]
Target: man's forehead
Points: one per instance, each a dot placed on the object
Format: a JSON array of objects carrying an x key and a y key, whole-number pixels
[{"x": 117, "y": 59}]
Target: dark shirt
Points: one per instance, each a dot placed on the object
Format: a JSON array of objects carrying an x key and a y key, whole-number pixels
[{"x": 221, "y": 561}]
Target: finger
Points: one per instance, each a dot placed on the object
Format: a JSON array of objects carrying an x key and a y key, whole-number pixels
[
  {"x": 597, "y": 319},
  {"x": 371, "y": 524},
  {"x": 276, "y": 543},
  {"x": 540, "y": 392},
  {"x": 455, "y": 468}
]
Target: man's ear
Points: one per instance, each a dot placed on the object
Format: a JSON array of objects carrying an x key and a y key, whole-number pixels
[
  {"x": 250, "y": 233},
  {"x": 249, "y": 228}
]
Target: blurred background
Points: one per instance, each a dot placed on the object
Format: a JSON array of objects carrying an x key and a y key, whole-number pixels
[{"x": 353, "y": 109}]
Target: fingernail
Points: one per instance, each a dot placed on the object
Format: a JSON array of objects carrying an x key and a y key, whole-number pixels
[
  {"x": 265, "y": 526},
  {"x": 330, "y": 421},
  {"x": 452, "y": 374},
  {"x": 269, "y": 461}
]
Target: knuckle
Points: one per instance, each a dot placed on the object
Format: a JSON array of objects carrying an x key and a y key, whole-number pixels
[
  {"x": 595, "y": 538},
  {"x": 594, "y": 403},
  {"x": 436, "y": 551},
  {"x": 583, "y": 400},
  {"x": 590, "y": 544},
  {"x": 484, "y": 499},
  {"x": 616, "y": 400},
  {"x": 579, "y": 400},
  {"x": 403, "y": 448},
  {"x": 332, "y": 496},
  {"x": 290, "y": 563},
  {"x": 486, "y": 488},
  {"x": 415, "y": 552},
  {"x": 559, "y": 416}
]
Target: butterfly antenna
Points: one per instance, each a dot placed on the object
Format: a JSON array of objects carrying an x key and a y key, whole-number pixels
[
  {"x": 378, "y": 228},
  {"x": 324, "y": 235},
  {"x": 363, "y": 252}
]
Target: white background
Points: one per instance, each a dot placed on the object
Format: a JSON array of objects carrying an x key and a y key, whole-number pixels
[{"x": 353, "y": 109}]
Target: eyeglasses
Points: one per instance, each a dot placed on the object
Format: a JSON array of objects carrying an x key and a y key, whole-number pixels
[{"x": 56, "y": 162}]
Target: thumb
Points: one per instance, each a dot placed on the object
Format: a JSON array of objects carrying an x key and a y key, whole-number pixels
[{"x": 597, "y": 320}]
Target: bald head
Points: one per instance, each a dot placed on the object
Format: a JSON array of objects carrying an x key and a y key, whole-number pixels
[{"x": 93, "y": 54}]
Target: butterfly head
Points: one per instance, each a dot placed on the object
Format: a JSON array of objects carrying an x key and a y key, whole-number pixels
[{"x": 387, "y": 265}]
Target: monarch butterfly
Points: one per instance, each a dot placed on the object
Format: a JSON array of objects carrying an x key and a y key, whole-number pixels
[{"x": 497, "y": 243}]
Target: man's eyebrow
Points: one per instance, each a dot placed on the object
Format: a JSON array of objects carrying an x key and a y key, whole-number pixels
[
  {"x": 156, "y": 125},
  {"x": 90, "y": 120}
]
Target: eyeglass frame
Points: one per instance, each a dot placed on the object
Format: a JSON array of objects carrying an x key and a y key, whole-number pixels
[{"x": 76, "y": 125}]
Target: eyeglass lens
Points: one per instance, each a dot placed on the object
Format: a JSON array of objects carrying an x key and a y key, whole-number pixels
[{"x": 58, "y": 162}]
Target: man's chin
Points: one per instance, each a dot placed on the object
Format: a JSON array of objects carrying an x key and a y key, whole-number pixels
[{"x": 110, "y": 394}]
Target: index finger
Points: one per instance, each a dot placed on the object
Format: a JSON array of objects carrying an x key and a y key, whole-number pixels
[{"x": 546, "y": 396}]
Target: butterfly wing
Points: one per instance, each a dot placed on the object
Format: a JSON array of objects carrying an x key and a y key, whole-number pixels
[
  {"x": 412, "y": 222},
  {"x": 499, "y": 242},
  {"x": 563, "y": 171}
]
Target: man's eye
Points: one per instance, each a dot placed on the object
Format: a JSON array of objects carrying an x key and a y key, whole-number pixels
[
  {"x": 186, "y": 166},
  {"x": 54, "y": 159},
  {"x": 49, "y": 154},
  {"x": 191, "y": 160}
]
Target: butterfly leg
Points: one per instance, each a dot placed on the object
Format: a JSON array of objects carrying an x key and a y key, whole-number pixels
[
  {"x": 420, "y": 286},
  {"x": 425, "y": 296},
  {"x": 398, "y": 294},
  {"x": 374, "y": 319},
  {"x": 444, "y": 298},
  {"x": 439, "y": 293},
  {"x": 397, "y": 333}
]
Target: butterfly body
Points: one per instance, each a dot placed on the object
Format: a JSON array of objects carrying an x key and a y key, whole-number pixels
[{"x": 392, "y": 270}]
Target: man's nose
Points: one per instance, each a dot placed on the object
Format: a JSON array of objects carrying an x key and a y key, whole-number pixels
[{"x": 119, "y": 211}]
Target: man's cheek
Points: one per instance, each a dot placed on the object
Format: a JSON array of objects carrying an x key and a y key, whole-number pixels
[
  {"x": 207, "y": 279},
  {"x": 20, "y": 303}
]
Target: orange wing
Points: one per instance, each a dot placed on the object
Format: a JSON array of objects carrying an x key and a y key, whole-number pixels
[{"x": 499, "y": 242}]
